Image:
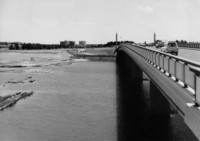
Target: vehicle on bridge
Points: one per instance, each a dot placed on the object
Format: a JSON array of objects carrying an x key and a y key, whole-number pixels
[
  {"x": 170, "y": 47},
  {"x": 159, "y": 44}
]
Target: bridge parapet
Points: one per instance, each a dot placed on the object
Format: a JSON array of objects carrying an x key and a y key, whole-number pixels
[{"x": 183, "y": 71}]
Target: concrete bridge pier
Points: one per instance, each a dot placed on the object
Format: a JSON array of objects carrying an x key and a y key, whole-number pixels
[{"x": 159, "y": 105}]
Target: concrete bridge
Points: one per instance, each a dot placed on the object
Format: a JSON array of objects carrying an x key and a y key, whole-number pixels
[{"x": 174, "y": 81}]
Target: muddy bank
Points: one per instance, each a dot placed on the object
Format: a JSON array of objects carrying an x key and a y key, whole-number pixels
[{"x": 29, "y": 59}]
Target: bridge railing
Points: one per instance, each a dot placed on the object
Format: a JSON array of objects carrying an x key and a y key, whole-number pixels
[{"x": 183, "y": 70}]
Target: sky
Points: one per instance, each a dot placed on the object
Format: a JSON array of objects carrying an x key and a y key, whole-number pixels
[{"x": 97, "y": 21}]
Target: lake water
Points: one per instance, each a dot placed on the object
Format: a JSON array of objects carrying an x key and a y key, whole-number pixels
[{"x": 78, "y": 100}]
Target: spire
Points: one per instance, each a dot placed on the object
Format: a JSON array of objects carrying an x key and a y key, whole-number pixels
[
  {"x": 154, "y": 37},
  {"x": 116, "y": 38}
]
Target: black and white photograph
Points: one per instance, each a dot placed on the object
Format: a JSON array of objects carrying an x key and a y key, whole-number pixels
[{"x": 99, "y": 70}]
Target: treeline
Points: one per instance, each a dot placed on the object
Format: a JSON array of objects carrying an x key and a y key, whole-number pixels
[
  {"x": 29, "y": 46},
  {"x": 37, "y": 46},
  {"x": 113, "y": 43},
  {"x": 110, "y": 44},
  {"x": 181, "y": 41}
]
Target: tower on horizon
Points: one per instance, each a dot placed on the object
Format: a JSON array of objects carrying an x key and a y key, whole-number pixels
[
  {"x": 116, "y": 38},
  {"x": 154, "y": 37}
]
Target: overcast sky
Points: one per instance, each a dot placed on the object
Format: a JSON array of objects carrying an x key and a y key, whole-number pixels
[{"x": 97, "y": 21}]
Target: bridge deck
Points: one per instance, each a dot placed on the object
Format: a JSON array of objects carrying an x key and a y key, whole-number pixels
[{"x": 177, "y": 95}]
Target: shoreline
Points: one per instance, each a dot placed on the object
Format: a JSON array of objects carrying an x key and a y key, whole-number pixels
[{"x": 94, "y": 54}]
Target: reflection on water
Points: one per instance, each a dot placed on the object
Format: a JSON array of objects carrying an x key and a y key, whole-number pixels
[{"x": 134, "y": 119}]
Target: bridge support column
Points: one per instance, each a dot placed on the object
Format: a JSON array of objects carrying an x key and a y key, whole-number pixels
[{"x": 158, "y": 103}]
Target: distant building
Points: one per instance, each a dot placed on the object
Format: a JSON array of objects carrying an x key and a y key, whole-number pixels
[
  {"x": 72, "y": 44},
  {"x": 82, "y": 43},
  {"x": 4, "y": 45},
  {"x": 68, "y": 44},
  {"x": 64, "y": 43}
]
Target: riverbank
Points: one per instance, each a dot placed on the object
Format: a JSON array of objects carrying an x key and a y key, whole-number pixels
[
  {"x": 101, "y": 51},
  {"x": 94, "y": 54}
]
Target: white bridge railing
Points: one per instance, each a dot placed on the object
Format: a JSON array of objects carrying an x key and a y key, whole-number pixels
[{"x": 183, "y": 70}]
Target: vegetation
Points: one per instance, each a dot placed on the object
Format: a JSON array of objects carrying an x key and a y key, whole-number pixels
[
  {"x": 37, "y": 46},
  {"x": 109, "y": 44}
]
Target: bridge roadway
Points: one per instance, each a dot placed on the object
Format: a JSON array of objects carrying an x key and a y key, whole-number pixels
[{"x": 176, "y": 78}]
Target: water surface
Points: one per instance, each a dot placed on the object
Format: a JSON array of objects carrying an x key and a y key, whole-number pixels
[{"x": 79, "y": 100}]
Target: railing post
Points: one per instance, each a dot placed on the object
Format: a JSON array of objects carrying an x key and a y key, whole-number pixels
[
  {"x": 164, "y": 63},
  {"x": 169, "y": 66},
  {"x": 197, "y": 85},
  {"x": 176, "y": 79},
  {"x": 197, "y": 89},
  {"x": 185, "y": 85}
]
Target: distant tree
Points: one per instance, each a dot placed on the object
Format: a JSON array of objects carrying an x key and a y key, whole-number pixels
[{"x": 12, "y": 47}]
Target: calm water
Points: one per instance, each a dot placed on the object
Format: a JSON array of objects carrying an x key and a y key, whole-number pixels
[{"x": 80, "y": 101}]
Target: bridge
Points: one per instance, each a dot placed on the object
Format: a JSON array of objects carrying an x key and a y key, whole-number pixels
[{"x": 174, "y": 81}]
